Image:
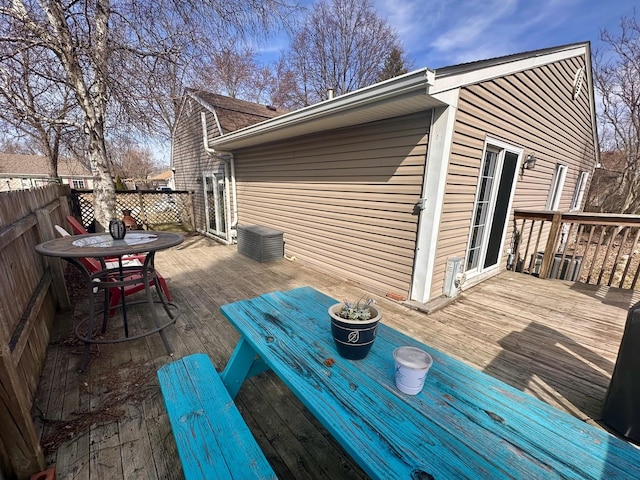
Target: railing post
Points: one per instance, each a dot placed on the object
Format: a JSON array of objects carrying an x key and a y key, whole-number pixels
[
  {"x": 143, "y": 213},
  {"x": 192, "y": 211},
  {"x": 550, "y": 247}
]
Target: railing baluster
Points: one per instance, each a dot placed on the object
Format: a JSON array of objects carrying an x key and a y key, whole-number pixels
[
  {"x": 564, "y": 253},
  {"x": 535, "y": 251},
  {"x": 595, "y": 255},
  {"x": 551, "y": 245},
  {"x": 615, "y": 261},
  {"x": 586, "y": 256},
  {"x": 576, "y": 244},
  {"x": 628, "y": 265},
  {"x": 606, "y": 257},
  {"x": 526, "y": 251}
]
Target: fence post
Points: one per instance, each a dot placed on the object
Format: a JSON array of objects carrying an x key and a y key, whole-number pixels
[
  {"x": 46, "y": 231},
  {"x": 143, "y": 213},
  {"x": 550, "y": 247}
]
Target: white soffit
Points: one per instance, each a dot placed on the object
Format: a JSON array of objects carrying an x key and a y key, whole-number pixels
[{"x": 401, "y": 95}]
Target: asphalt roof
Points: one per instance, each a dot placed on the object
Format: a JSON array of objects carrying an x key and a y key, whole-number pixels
[
  {"x": 234, "y": 114},
  {"x": 16, "y": 164}
]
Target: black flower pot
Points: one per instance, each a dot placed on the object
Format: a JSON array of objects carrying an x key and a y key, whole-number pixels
[{"x": 353, "y": 338}]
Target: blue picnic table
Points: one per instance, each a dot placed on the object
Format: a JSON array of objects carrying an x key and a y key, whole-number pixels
[{"x": 464, "y": 424}]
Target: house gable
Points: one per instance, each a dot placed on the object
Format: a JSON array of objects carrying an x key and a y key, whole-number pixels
[
  {"x": 536, "y": 111},
  {"x": 223, "y": 115},
  {"x": 365, "y": 162}
]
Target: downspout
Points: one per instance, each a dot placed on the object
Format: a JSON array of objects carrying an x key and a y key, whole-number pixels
[{"x": 229, "y": 161}]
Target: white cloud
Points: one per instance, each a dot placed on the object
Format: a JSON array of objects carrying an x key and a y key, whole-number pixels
[
  {"x": 472, "y": 25},
  {"x": 437, "y": 33}
]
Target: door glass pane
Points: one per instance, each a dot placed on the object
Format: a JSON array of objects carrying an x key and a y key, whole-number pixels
[
  {"x": 501, "y": 209},
  {"x": 211, "y": 209},
  {"x": 220, "y": 223},
  {"x": 481, "y": 209}
]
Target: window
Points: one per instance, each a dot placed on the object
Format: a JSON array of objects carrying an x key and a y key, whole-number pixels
[
  {"x": 78, "y": 183},
  {"x": 576, "y": 201},
  {"x": 556, "y": 187}
]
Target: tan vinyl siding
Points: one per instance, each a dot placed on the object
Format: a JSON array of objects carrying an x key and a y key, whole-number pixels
[
  {"x": 533, "y": 110},
  {"x": 344, "y": 199},
  {"x": 189, "y": 156}
]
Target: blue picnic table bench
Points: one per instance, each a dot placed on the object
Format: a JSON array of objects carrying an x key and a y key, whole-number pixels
[
  {"x": 213, "y": 440},
  {"x": 464, "y": 424}
]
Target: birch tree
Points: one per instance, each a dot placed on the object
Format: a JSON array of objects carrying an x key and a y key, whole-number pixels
[{"x": 122, "y": 61}]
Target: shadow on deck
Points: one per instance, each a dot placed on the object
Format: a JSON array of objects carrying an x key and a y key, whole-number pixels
[{"x": 555, "y": 340}]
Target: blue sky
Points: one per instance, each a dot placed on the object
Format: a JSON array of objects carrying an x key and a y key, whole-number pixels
[{"x": 438, "y": 33}]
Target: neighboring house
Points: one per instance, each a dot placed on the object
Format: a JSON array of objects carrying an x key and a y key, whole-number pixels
[
  {"x": 194, "y": 169},
  {"x": 160, "y": 181},
  {"x": 163, "y": 180},
  {"x": 20, "y": 172},
  {"x": 385, "y": 184}
]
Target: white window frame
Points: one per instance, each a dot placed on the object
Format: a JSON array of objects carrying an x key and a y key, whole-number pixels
[
  {"x": 78, "y": 184},
  {"x": 578, "y": 193},
  {"x": 555, "y": 193}
]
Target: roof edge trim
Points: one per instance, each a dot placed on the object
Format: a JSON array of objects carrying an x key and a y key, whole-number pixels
[{"x": 412, "y": 81}]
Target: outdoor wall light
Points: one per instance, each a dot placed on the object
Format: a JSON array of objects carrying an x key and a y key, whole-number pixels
[{"x": 529, "y": 162}]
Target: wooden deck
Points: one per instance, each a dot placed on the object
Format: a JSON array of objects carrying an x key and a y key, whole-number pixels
[{"x": 555, "y": 340}]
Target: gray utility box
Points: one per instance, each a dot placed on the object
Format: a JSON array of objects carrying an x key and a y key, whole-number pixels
[
  {"x": 260, "y": 243},
  {"x": 570, "y": 269}
]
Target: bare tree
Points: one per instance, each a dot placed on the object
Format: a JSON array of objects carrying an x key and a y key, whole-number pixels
[
  {"x": 617, "y": 82},
  {"x": 129, "y": 160},
  {"x": 18, "y": 146},
  {"x": 121, "y": 60},
  {"x": 33, "y": 107},
  {"x": 234, "y": 71},
  {"x": 282, "y": 87},
  {"x": 231, "y": 71},
  {"x": 342, "y": 45}
]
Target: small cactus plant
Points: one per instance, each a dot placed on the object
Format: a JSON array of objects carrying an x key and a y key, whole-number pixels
[{"x": 358, "y": 310}]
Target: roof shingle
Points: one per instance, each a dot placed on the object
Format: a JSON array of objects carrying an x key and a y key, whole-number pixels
[
  {"x": 235, "y": 114},
  {"x": 17, "y": 165}
]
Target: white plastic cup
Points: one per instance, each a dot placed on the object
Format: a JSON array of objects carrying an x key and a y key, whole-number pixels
[{"x": 412, "y": 365}]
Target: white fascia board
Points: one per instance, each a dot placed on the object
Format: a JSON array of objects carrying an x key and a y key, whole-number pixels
[
  {"x": 338, "y": 106},
  {"x": 469, "y": 75},
  {"x": 592, "y": 104}
]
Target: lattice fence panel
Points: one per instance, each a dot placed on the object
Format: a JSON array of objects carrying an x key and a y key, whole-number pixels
[{"x": 150, "y": 209}]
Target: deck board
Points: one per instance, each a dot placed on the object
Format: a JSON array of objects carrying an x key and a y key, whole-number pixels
[{"x": 555, "y": 340}]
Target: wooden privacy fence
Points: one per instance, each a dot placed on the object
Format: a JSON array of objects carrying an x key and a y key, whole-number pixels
[
  {"x": 30, "y": 288},
  {"x": 596, "y": 249},
  {"x": 152, "y": 209}
]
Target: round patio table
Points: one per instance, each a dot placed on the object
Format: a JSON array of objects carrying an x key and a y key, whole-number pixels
[{"x": 100, "y": 259}]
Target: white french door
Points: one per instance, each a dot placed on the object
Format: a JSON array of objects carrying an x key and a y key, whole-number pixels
[
  {"x": 215, "y": 203},
  {"x": 496, "y": 186}
]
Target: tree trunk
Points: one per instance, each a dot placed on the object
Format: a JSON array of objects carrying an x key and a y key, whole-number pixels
[{"x": 104, "y": 191}]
